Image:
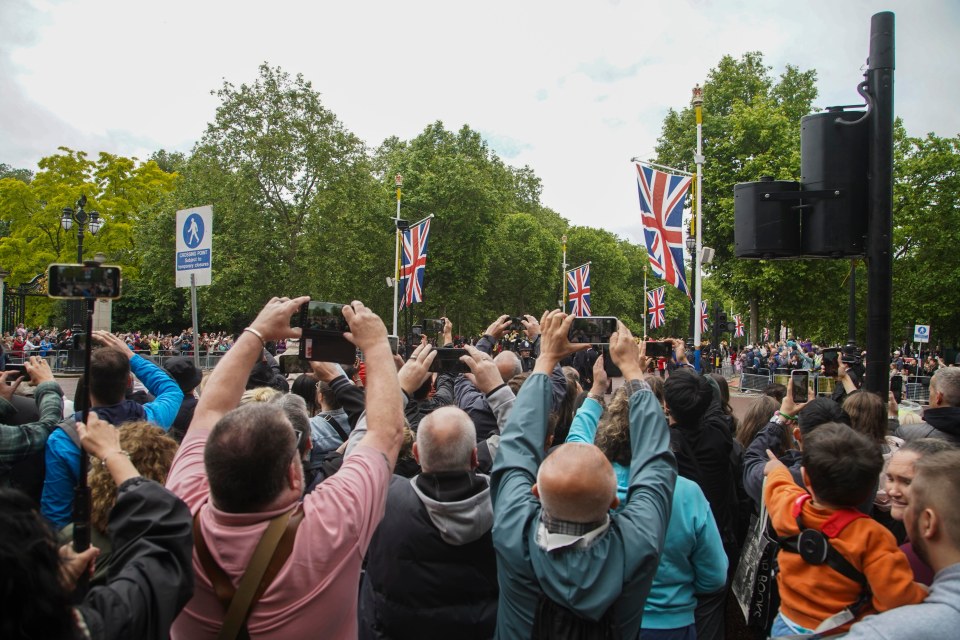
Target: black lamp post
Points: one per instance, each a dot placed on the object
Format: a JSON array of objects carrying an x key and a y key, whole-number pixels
[
  {"x": 691, "y": 249},
  {"x": 76, "y": 310}
]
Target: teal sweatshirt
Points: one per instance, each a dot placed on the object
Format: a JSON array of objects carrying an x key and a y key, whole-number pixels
[
  {"x": 618, "y": 567},
  {"x": 692, "y": 560}
]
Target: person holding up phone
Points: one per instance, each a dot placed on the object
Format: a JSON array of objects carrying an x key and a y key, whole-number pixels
[{"x": 22, "y": 440}]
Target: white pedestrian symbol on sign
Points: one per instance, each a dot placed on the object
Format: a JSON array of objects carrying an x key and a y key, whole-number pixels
[{"x": 193, "y": 230}]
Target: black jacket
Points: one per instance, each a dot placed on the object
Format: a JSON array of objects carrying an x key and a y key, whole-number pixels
[
  {"x": 938, "y": 422},
  {"x": 151, "y": 575},
  {"x": 431, "y": 569}
]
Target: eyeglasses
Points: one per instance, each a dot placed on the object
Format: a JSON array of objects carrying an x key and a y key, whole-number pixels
[{"x": 299, "y": 436}]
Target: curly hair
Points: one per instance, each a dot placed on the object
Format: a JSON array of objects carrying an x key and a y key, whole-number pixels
[
  {"x": 35, "y": 604},
  {"x": 613, "y": 432},
  {"x": 151, "y": 452}
]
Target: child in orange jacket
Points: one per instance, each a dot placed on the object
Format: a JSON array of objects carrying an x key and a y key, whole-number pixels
[{"x": 871, "y": 574}]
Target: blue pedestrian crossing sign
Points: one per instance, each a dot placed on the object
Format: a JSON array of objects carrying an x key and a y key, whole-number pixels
[
  {"x": 194, "y": 246},
  {"x": 921, "y": 333}
]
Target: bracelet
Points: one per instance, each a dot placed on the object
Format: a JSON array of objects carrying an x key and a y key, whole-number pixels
[
  {"x": 103, "y": 461},
  {"x": 786, "y": 416},
  {"x": 259, "y": 335}
]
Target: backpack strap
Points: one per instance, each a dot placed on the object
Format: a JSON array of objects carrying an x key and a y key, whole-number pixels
[
  {"x": 336, "y": 427},
  {"x": 268, "y": 558}
]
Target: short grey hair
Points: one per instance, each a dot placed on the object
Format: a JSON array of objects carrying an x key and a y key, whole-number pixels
[
  {"x": 446, "y": 439},
  {"x": 514, "y": 359},
  {"x": 295, "y": 408},
  {"x": 947, "y": 381}
]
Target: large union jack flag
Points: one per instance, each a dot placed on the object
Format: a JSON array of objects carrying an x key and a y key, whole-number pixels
[
  {"x": 656, "y": 307},
  {"x": 661, "y": 204},
  {"x": 704, "y": 316},
  {"x": 413, "y": 263},
  {"x": 578, "y": 290},
  {"x": 738, "y": 326}
]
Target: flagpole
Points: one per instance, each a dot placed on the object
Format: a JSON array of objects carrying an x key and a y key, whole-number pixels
[
  {"x": 563, "y": 276},
  {"x": 698, "y": 159},
  {"x": 396, "y": 255},
  {"x": 645, "y": 305},
  {"x": 662, "y": 166}
]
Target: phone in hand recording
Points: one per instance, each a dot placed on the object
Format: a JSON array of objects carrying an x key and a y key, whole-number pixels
[
  {"x": 77, "y": 281},
  {"x": 799, "y": 386},
  {"x": 322, "y": 339},
  {"x": 831, "y": 360},
  {"x": 448, "y": 360},
  {"x": 896, "y": 386},
  {"x": 22, "y": 369},
  {"x": 593, "y": 329},
  {"x": 609, "y": 368},
  {"x": 659, "y": 349},
  {"x": 432, "y": 325}
]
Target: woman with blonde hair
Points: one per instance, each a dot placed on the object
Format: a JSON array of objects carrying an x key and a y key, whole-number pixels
[{"x": 151, "y": 451}]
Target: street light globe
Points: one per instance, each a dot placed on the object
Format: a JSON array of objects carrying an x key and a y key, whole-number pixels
[{"x": 66, "y": 220}]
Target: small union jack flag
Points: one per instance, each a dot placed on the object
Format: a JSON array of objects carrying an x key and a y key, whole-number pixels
[
  {"x": 656, "y": 307},
  {"x": 704, "y": 316},
  {"x": 578, "y": 290},
  {"x": 661, "y": 206},
  {"x": 766, "y": 334},
  {"x": 413, "y": 263},
  {"x": 738, "y": 326}
]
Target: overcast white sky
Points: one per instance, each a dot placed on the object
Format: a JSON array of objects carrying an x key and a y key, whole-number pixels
[{"x": 574, "y": 89}]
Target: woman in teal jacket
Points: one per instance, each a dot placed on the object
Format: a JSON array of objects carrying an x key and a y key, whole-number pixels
[{"x": 692, "y": 560}]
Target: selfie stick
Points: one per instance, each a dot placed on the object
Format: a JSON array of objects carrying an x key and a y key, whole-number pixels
[{"x": 81, "y": 493}]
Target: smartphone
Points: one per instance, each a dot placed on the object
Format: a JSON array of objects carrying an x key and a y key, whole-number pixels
[
  {"x": 432, "y": 325},
  {"x": 799, "y": 385},
  {"x": 448, "y": 361},
  {"x": 594, "y": 329},
  {"x": 896, "y": 386},
  {"x": 831, "y": 359},
  {"x": 659, "y": 349},
  {"x": 290, "y": 363},
  {"x": 416, "y": 331},
  {"x": 22, "y": 369},
  {"x": 322, "y": 340},
  {"x": 516, "y": 324},
  {"x": 322, "y": 316},
  {"x": 609, "y": 368},
  {"x": 82, "y": 281},
  {"x": 394, "y": 344}
]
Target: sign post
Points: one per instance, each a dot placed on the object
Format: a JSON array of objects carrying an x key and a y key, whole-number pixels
[{"x": 194, "y": 257}]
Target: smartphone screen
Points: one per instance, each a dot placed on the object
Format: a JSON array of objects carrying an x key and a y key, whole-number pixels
[
  {"x": 831, "y": 358},
  {"x": 659, "y": 349},
  {"x": 447, "y": 360},
  {"x": 896, "y": 386},
  {"x": 82, "y": 281},
  {"x": 432, "y": 325},
  {"x": 595, "y": 329},
  {"x": 323, "y": 316},
  {"x": 799, "y": 384}
]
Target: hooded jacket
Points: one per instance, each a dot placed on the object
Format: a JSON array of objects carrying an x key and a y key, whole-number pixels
[
  {"x": 431, "y": 569},
  {"x": 616, "y": 566},
  {"x": 938, "y": 422}
]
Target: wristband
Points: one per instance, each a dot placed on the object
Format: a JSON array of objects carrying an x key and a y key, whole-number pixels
[
  {"x": 103, "y": 460},
  {"x": 786, "y": 416},
  {"x": 256, "y": 333}
]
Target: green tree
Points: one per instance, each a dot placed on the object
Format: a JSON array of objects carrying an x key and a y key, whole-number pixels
[
  {"x": 525, "y": 264},
  {"x": 751, "y": 127},
  {"x": 123, "y": 190}
]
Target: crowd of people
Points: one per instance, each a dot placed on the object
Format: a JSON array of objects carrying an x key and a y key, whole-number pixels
[
  {"x": 23, "y": 342},
  {"x": 550, "y": 489}
]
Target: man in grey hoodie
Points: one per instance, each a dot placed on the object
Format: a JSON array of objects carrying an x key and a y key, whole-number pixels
[
  {"x": 933, "y": 524},
  {"x": 431, "y": 568}
]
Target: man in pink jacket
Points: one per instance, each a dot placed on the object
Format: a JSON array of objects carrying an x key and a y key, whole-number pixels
[{"x": 238, "y": 468}]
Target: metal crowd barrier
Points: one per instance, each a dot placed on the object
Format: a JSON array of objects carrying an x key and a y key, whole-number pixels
[
  {"x": 917, "y": 388},
  {"x": 59, "y": 360}
]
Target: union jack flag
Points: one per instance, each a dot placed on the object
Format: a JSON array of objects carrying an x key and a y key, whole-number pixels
[
  {"x": 656, "y": 307},
  {"x": 578, "y": 290},
  {"x": 766, "y": 334},
  {"x": 413, "y": 263},
  {"x": 704, "y": 315},
  {"x": 661, "y": 205},
  {"x": 738, "y": 326}
]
